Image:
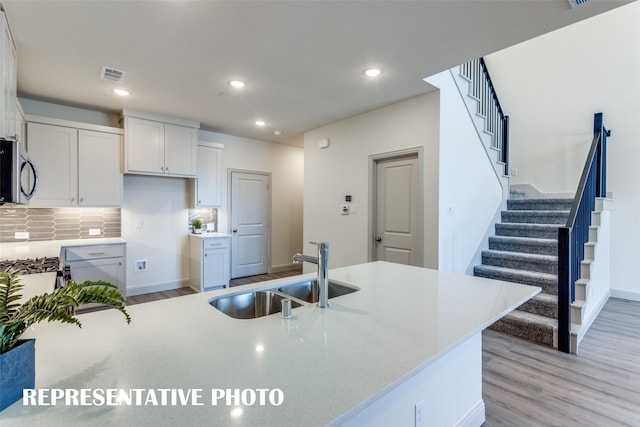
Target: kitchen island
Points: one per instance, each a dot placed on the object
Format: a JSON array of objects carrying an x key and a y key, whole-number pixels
[{"x": 409, "y": 338}]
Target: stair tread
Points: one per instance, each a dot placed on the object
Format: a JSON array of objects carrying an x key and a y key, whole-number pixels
[
  {"x": 536, "y": 319},
  {"x": 542, "y": 199},
  {"x": 520, "y": 255},
  {"x": 544, "y": 297},
  {"x": 532, "y": 274},
  {"x": 538, "y": 211},
  {"x": 526, "y": 225},
  {"x": 530, "y": 240}
]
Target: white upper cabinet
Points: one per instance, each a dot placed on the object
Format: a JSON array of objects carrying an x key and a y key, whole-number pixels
[
  {"x": 99, "y": 174},
  {"x": 157, "y": 147},
  {"x": 180, "y": 150},
  {"x": 144, "y": 140},
  {"x": 208, "y": 178},
  {"x": 76, "y": 167},
  {"x": 8, "y": 80},
  {"x": 54, "y": 152}
]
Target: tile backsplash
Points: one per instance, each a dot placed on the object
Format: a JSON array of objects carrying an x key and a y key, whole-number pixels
[
  {"x": 207, "y": 215},
  {"x": 58, "y": 223}
]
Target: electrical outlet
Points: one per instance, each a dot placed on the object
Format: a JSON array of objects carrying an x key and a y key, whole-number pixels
[
  {"x": 451, "y": 210},
  {"x": 354, "y": 209},
  {"x": 514, "y": 171},
  {"x": 137, "y": 224},
  {"x": 141, "y": 265},
  {"x": 21, "y": 235},
  {"x": 420, "y": 420},
  {"x": 94, "y": 232}
]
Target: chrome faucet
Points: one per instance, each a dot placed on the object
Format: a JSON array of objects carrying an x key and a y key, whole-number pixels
[{"x": 322, "y": 261}]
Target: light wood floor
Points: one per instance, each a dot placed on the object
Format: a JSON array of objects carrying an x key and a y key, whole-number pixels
[{"x": 526, "y": 384}]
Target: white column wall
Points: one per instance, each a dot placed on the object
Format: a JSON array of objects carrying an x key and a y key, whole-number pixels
[{"x": 468, "y": 182}]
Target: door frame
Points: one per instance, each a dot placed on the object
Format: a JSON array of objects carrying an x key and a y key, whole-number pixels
[
  {"x": 230, "y": 205},
  {"x": 373, "y": 163}
]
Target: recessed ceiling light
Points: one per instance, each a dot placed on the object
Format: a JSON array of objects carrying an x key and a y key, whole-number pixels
[
  {"x": 260, "y": 123},
  {"x": 237, "y": 84},
  {"x": 372, "y": 72},
  {"x": 277, "y": 132},
  {"x": 121, "y": 92}
]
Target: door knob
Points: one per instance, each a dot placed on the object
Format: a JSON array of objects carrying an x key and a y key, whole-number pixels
[
  {"x": 235, "y": 230},
  {"x": 378, "y": 239}
]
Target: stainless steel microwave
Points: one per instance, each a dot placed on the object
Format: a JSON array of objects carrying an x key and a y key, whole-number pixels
[{"x": 18, "y": 176}]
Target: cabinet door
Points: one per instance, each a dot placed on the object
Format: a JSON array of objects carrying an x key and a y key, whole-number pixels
[
  {"x": 9, "y": 81},
  {"x": 110, "y": 270},
  {"x": 99, "y": 176},
  {"x": 208, "y": 162},
  {"x": 54, "y": 152},
  {"x": 180, "y": 150},
  {"x": 215, "y": 268},
  {"x": 144, "y": 141}
]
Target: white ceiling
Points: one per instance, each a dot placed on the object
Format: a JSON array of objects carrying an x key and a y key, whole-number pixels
[{"x": 302, "y": 60}]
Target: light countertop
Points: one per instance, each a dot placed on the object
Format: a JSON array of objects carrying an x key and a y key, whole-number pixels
[
  {"x": 209, "y": 235},
  {"x": 327, "y": 362},
  {"x": 48, "y": 248}
]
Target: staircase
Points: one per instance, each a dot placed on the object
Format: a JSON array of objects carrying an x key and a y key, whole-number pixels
[{"x": 525, "y": 250}]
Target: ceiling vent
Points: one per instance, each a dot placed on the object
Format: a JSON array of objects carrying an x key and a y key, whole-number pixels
[
  {"x": 111, "y": 74},
  {"x": 576, "y": 3}
]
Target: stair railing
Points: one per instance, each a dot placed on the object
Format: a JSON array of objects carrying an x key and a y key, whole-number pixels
[
  {"x": 575, "y": 234},
  {"x": 496, "y": 122}
]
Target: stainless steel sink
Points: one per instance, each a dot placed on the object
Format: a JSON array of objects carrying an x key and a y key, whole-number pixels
[
  {"x": 308, "y": 291},
  {"x": 250, "y": 305}
]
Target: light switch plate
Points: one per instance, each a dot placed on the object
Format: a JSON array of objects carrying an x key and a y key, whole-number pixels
[
  {"x": 94, "y": 232},
  {"x": 21, "y": 235}
]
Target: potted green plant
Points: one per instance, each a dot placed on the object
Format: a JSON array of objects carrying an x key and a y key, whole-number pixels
[
  {"x": 17, "y": 357},
  {"x": 197, "y": 226}
]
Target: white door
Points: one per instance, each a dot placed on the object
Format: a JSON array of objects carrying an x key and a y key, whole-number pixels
[
  {"x": 398, "y": 211},
  {"x": 250, "y": 220}
]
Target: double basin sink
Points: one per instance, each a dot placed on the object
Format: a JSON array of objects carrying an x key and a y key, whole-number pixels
[{"x": 259, "y": 303}]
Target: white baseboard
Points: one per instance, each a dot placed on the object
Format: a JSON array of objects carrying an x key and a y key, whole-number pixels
[
  {"x": 588, "y": 321},
  {"x": 623, "y": 294},
  {"x": 286, "y": 267},
  {"x": 475, "y": 417},
  {"x": 157, "y": 287}
]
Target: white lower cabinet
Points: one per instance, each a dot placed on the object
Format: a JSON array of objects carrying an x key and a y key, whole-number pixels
[
  {"x": 209, "y": 262},
  {"x": 97, "y": 262}
]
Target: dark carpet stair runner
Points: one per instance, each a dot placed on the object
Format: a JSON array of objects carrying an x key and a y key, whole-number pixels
[{"x": 525, "y": 250}]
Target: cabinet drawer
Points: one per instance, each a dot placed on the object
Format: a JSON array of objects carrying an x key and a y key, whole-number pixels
[
  {"x": 215, "y": 243},
  {"x": 94, "y": 252}
]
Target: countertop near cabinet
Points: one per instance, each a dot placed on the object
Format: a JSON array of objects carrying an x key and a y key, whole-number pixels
[
  {"x": 49, "y": 248},
  {"x": 328, "y": 362},
  {"x": 210, "y": 235}
]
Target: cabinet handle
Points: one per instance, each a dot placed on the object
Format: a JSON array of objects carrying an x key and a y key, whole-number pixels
[
  {"x": 96, "y": 253},
  {"x": 81, "y": 199},
  {"x": 199, "y": 201},
  {"x": 162, "y": 168},
  {"x": 73, "y": 198},
  {"x": 120, "y": 263},
  {"x": 206, "y": 255}
]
